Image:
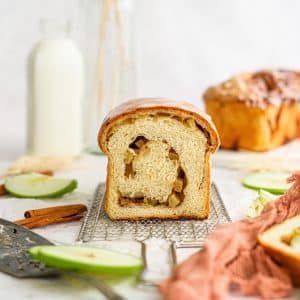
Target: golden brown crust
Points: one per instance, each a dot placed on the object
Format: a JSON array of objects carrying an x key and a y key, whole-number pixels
[
  {"x": 153, "y": 105},
  {"x": 256, "y": 111}
]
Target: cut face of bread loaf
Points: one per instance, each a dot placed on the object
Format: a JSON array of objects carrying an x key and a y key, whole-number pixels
[
  {"x": 282, "y": 242},
  {"x": 158, "y": 160}
]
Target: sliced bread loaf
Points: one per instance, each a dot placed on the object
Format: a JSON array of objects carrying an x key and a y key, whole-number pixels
[
  {"x": 282, "y": 242},
  {"x": 158, "y": 160}
]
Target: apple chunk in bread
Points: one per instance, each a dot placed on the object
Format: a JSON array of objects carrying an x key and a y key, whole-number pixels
[{"x": 158, "y": 160}]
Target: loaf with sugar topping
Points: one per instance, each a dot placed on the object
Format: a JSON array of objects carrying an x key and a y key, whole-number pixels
[{"x": 256, "y": 111}]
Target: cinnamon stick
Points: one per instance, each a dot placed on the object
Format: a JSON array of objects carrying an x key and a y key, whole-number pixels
[
  {"x": 60, "y": 211},
  {"x": 2, "y": 190},
  {"x": 47, "y": 172},
  {"x": 41, "y": 221},
  {"x": 52, "y": 215}
]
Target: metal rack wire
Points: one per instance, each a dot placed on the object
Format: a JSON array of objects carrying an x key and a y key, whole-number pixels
[{"x": 97, "y": 226}]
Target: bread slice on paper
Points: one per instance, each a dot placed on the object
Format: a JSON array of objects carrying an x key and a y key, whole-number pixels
[{"x": 158, "y": 160}]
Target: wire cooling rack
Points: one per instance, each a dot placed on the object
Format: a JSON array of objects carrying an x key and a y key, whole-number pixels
[{"x": 97, "y": 226}]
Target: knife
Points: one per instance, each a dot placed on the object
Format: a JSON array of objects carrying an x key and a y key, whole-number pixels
[{"x": 15, "y": 241}]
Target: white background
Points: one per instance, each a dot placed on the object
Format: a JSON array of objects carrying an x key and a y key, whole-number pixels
[{"x": 182, "y": 46}]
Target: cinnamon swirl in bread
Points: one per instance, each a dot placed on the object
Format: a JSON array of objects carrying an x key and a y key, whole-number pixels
[
  {"x": 158, "y": 160},
  {"x": 256, "y": 111}
]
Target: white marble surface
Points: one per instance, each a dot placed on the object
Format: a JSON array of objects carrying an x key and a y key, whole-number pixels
[{"x": 90, "y": 170}]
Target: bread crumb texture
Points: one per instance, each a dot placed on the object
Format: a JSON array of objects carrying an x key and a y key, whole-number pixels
[{"x": 159, "y": 159}]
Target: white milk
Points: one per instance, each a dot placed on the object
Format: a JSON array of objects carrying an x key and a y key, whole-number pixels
[{"x": 56, "y": 79}]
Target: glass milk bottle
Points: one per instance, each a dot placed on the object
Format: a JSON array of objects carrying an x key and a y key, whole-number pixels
[{"x": 55, "y": 90}]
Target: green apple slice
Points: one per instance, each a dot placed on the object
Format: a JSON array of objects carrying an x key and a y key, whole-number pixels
[
  {"x": 88, "y": 259},
  {"x": 273, "y": 182},
  {"x": 34, "y": 185}
]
